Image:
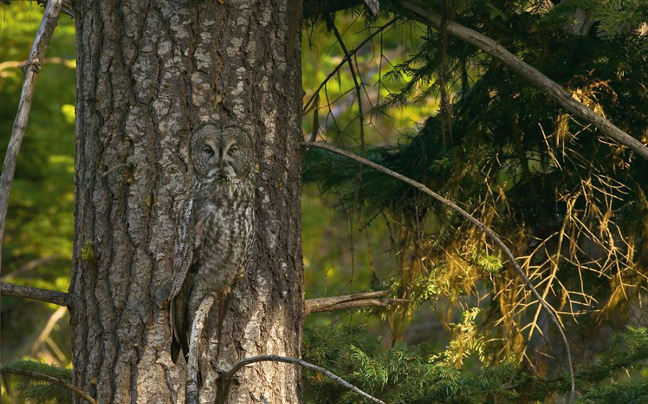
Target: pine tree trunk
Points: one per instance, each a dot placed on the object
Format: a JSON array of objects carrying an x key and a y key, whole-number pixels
[{"x": 147, "y": 73}]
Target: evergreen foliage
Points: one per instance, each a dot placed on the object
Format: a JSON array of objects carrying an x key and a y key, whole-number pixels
[
  {"x": 35, "y": 390},
  {"x": 419, "y": 374},
  {"x": 572, "y": 206}
]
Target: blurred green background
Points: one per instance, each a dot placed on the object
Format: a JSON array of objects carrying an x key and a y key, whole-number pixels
[{"x": 37, "y": 250}]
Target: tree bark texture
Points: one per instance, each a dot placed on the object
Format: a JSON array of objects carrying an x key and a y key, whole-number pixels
[{"x": 147, "y": 74}]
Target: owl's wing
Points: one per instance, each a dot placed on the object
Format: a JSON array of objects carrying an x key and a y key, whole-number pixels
[
  {"x": 191, "y": 231},
  {"x": 184, "y": 248},
  {"x": 179, "y": 316}
]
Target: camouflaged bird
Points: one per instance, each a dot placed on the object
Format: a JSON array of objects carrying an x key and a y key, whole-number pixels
[{"x": 216, "y": 229}]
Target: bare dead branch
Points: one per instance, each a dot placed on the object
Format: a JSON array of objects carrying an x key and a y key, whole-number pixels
[
  {"x": 30, "y": 266},
  {"x": 274, "y": 358},
  {"x": 42, "y": 295},
  {"x": 50, "y": 379},
  {"x": 31, "y": 68},
  {"x": 490, "y": 233},
  {"x": 193, "y": 365},
  {"x": 528, "y": 72},
  {"x": 357, "y": 300},
  {"x": 44, "y": 335},
  {"x": 358, "y": 304}
]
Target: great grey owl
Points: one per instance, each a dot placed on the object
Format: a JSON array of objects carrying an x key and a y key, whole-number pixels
[{"x": 217, "y": 228}]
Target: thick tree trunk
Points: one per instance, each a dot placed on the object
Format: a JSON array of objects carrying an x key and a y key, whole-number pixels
[{"x": 147, "y": 74}]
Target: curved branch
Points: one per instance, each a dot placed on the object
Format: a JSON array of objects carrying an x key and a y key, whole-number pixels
[
  {"x": 528, "y": 72},
  {"x": 27, "y": 292},
  {"x": 490, "y": 233},
  {"x": 274, "y": 358},
  {"x": 53, "y": 380}
]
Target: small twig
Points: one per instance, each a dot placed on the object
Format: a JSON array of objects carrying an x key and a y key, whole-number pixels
[
  {"x": 44, "y": 335},
  {"x": 193, "y": 367},
  {"x": 274, "y": 358},
  {"x": 446, "y": 105},
  {"x": 525, "y": 70},
  {"x": 42, "y": 295},
  {"x": 346, "y": 57},
  {"x": 358, "y": 89},
  {"x": 55, "y": 60},
  {"x": 67, "y": 8},
  {"x": 30, "y": 266},
  {"x": 32, "y": 66},
  {"x": 357, "y": 300},
  {"x": 53, "y": 380},
  {"x": 490, "y": 233}
]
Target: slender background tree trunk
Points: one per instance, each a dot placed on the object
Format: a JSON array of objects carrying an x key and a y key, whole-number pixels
[{"x": 149, "y": 72}]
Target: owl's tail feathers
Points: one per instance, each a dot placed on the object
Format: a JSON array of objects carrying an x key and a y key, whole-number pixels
[
  {"x": 178, "y": 337},
  {"x": 175, "y": 350},
  {"x": 176, "y": 347}
]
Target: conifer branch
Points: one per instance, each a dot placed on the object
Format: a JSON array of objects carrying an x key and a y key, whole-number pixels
[
  {"x": 51, "y": 379},
  {"x": 482, "y": 227},
  {"x": 227, "y": 375},
  {"x": 525, "y": 70},
  {"x": 27, "y": 292},
  {"x": 357, "y": 300},
  {"x": 31, "y": 69}
]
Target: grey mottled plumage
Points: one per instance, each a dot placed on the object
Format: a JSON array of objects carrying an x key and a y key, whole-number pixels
[{"x": 216, "y": 232}]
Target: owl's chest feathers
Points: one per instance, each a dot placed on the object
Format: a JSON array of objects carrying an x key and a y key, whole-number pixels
[{"x": 226, "y": 218}]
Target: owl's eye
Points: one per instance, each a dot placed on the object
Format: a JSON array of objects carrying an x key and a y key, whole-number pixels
[
  {"x": 233, "y": 150},
  {"x": 208, "y": 151}
]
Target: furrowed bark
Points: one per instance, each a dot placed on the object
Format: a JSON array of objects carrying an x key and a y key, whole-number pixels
[{"x": 147, "y": 73}]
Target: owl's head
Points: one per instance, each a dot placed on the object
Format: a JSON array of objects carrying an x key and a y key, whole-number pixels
[{"x": 222, "y": 153}]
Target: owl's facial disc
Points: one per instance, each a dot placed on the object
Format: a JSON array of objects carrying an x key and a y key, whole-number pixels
[{"x": 221, "y": 154}]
